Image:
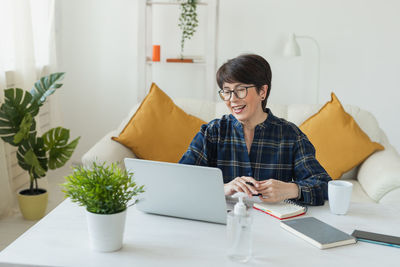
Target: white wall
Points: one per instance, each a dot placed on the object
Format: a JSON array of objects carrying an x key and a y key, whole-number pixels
[
  {"x": 359, "y": 41},
  {"x": 97, "y": 50}
]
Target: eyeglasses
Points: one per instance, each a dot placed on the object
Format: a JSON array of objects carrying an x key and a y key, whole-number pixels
[{"x": 240, "y": 92}]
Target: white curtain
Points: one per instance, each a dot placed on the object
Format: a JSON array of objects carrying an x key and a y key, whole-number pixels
[{"x": 27, "y": 51}]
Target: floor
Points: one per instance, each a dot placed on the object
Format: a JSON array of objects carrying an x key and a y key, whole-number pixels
[{"x": 12, "y": 227}]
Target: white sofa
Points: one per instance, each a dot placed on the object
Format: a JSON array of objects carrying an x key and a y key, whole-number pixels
[{"x": 377, "y": 179}]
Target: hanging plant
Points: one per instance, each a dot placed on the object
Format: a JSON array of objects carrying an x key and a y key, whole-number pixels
[{"x": 188, "y": 21}]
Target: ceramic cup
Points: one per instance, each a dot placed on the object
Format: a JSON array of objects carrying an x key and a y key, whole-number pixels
[{"x": 339, "y": 194}]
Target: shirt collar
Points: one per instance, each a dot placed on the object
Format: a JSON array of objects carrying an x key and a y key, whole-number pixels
[{"x": 262, "y": 125}]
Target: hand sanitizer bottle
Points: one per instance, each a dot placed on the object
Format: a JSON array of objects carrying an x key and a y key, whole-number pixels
[{"x": 239, "y": 231}]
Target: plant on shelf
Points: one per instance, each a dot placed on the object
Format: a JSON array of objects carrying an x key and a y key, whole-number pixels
[
  {"x": 35, "y": 154},
  {"x": 188, "y": 21},
  {"x": 105, "y": 191}
]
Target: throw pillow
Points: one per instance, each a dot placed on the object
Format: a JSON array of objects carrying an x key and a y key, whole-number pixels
[
  {"x": 339, "y": 142},
  {"x": 159, "y": 130}
]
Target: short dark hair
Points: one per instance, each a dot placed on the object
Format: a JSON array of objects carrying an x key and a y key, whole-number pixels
[{"x": 248, "y": 69}]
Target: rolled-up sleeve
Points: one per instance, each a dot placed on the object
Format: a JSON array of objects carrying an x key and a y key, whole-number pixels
[{"x": 309, "y": 175}]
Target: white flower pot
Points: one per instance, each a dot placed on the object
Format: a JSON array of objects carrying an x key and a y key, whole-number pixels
[{"x": 106, "y": 231}]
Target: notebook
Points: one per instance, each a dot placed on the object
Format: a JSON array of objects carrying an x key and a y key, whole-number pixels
[
  {"x": 380, "y": 239},
  {"x": 318, "y": 233},
  {"x": 281, "y": 210}
]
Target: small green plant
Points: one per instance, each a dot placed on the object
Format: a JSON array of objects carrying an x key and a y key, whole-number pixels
[
  {"x": 102, "y": 189},
  {"x": 188, "y": 21}
]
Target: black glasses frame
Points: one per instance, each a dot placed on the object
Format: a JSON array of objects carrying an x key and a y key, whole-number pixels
[{"x": 234, "y": 91}]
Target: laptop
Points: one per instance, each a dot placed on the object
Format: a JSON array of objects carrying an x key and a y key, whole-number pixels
[{"x": 178, "y": 190}]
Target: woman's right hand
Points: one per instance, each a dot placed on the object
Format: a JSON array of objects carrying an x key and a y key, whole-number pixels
[{"x": 239, "y": 185}]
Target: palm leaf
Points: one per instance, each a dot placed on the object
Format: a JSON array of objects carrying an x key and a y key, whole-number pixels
[
  {"x": 55, "y": 141},
  {"x": 32, "y": 160},
  {"x": 24, "y": 129},
  {"x": 46, "y": 86},
  {"x": 31, "y": 156},
  {"x": 17, "y": 103}
]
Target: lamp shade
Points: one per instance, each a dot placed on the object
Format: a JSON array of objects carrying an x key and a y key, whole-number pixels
[{"x": 292, "y": 48}]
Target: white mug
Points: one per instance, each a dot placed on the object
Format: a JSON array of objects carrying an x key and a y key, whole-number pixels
[{"x": 339, "y": 194}]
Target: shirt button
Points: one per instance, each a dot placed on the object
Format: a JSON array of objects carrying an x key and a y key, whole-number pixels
[{"x": 249, "y": 174}]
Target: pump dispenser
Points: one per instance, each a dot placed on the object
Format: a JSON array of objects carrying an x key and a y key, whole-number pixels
[
  {"x": 240, "y": 208},
  {"x": 239, "y": 231}
]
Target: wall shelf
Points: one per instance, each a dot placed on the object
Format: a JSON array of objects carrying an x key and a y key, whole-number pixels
[
  {"x": 163, "y": 72},
  {"x": 178, "y": 63},
  {"x": 171, "y": 3}
]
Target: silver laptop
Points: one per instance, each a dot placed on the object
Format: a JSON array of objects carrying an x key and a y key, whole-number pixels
[{"x": 179, "y": 190}]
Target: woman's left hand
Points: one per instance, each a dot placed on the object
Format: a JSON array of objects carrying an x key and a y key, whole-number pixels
[{"x": 274, "y": 190}]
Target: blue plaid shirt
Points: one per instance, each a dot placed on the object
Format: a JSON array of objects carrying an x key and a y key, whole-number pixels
[{"x": 279, "y": 151}]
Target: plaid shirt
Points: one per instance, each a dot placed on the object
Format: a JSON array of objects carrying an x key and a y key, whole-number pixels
[{"x": 279, "y": 151}]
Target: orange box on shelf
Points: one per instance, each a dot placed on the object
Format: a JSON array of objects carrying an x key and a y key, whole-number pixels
[{"x": 156, "y": 53}]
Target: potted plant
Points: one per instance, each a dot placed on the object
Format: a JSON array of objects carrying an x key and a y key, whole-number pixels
[
  {"x": 105, "y": 191},
  {"x": 35, "y": 154},
  {"x": 188, "y": 21}
]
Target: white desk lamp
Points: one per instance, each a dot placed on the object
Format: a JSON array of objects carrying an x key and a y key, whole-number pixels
[{"x": 292, "y": 49}]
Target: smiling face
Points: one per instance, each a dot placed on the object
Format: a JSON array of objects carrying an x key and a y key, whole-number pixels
[{"x": 247, "y": 110}]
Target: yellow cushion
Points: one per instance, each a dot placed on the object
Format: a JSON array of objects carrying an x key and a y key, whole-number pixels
[
  {"x": 339, "y": 142},
  {"x": 159, "y": 130}
]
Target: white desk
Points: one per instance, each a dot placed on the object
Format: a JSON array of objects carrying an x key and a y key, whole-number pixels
[{"x": 61, "y": 239}]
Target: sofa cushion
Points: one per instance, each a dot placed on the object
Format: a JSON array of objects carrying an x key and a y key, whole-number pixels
[
  {"x": 380, "y": 173},
  {"x": 202, "y": 109},
  {"x": 107, "y": 150},
  {"x": 358, "y": 194},
  {"x": 159, "y": 130},
  {"x": 339, "y": 142},
  {"x": 279, "y": 110}
]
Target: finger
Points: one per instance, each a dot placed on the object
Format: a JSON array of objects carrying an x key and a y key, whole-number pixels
[
  {"x": 262, "y": 187},
  {"x": 253, "y": 184},
  {"x": 251, "y": 180},
  {"x": 271, "y": 197},
  {"x": 245, "y": 188},
  {"x": 251, "y": 188},
  {"x": 263, "y": 184},
  {"x": 248, "y": 182},
  {"x": 237, "y": 188},
  {"x": 268, "y": 200},
  {"x": 268, "y": 181},
  {"x": 266, "y": 185}
]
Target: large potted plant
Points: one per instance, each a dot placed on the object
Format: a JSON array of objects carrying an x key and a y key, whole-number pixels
[
  {"x": 106, "y": 191},
  {"x": 36, "y": 154}
]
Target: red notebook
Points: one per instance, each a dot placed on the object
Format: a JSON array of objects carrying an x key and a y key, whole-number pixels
[{"x": 281, "y": 210}]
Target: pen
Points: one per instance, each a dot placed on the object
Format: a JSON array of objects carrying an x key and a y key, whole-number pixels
[{"x": 250, "y": 183}]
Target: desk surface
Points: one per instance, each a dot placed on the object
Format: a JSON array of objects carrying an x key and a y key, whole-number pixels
[{"x": 61, "y": 239}]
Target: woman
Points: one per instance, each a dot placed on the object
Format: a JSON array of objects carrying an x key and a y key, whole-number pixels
[{"x": 257, "y": 152}]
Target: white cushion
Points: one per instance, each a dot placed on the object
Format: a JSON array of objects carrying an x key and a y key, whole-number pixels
[
  {"x": 279, "y": 110},
  {"x": 358, "y": 194},
  {"x": 107, "y": 150},
  {"x": 298, "y": 113},
  {"x": 392, "y": 197},
  {"x": 350, "y": 175},
  {"x": 202, "y": 109},
  {"x": 380, "y": 173},
  {"x": 220, "y": 110}
]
